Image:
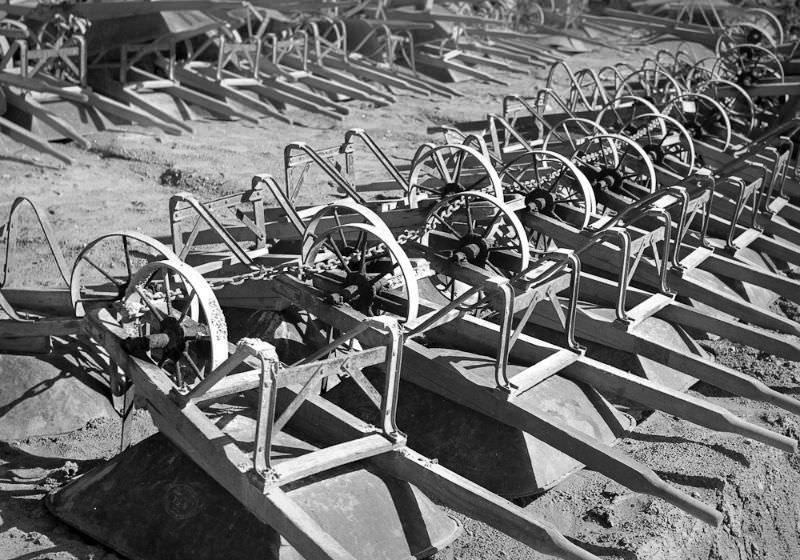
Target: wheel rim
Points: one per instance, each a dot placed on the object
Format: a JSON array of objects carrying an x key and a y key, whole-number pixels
[
  {"x": 368, "y": 269},
  {"x": 172, "y": 315},
  {"x": 104, "y": 268},
  {"x": 438, "y": 171}
]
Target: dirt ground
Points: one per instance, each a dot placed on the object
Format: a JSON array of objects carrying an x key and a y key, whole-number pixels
[{"x": 124, "y": 182}]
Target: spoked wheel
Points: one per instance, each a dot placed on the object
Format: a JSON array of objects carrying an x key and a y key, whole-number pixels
[
  {"x": 701, "y": 71},
  {"x": 744, "y": 33},
  {"x": 632, "y": 173},
  {"x": 103, "y": 270},
  {"x": 438, "y": 171},
  {"x": 362, "y": 265},
  {"x": 735, "y": 100},
  {"x": 172, "y": 316},
  {"x": 653, "y": 84},
  {"x": 767, "y": 21},
  {"x": 665, "y": 149},
  {"x": 568, "y": 135},
  {"x": 702, "y": 116},
  {"x": 340, "y": 213},
  {"x": 552, "y": 185},
  {"x": 594, "y": 151},
  {"x": 619, "y": 112},
  {"x": 477, "y": 229},
  {"x": 748, "y": 65}
]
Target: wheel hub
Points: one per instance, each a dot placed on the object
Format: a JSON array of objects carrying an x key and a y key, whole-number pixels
[
  {"x": 654, "y": 152},
  {"x": 754, "y": 37},
  {"x": 473, "y": 249},
  {"x": 540, "y": 201},
  {"x": 169, "y": 342},
  {"x": 604, "y": 179},
  {"x": 360, "y": 290},
  {"x": 452, "y": 188}
]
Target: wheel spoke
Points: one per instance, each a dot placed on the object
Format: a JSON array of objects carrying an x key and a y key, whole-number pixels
[
  {"x": 339, "y": 225},
  {"x": 458, "y": 165},
  {"x": 336, "y": 251},
  {"x": 126, "y": 250},
  {"x": 470, "y": 221},
  {"x": 103, "y": 272},
  {"x": 167, "y": 290},
  {"x": 448, "y": 226},
  {"x": 150, "y": 305},
  {"x": 197, "y": 371},
  {"x": 441, "y": 166}
]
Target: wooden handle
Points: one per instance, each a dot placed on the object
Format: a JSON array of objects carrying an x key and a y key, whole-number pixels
[{"x": 690, "y": 505}]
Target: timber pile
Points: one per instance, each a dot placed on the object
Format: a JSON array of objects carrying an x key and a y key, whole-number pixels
[{"x": 68, "y": 68}]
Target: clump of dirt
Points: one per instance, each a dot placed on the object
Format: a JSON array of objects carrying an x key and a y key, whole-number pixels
[
  {"x": 789, "y": 308},
  {"x": 770, "y": 369},
  {"x": 194, "y": 182}
]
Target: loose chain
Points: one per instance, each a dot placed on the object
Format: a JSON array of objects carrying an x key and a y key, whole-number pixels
[{"x": 263, "y": 272}]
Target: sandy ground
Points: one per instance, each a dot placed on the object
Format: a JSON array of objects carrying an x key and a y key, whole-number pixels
[{"x": 124, "y": 182}]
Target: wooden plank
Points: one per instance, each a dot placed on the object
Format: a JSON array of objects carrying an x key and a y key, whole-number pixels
[
  {"x": 34, "y": 84},
  {"x": 195, "y": 80},
  {"x": 638, "y": 341},
  {"x": 281, "y": 96},
  {"x": 29, "y": 139},
  {"x": 304, "y": 94},
  {"x": 766, "y": 341},
  {"x": 698, "y": 411},
  {"x": 334, "y": 424},
  {"x": 602, "y": 290},
  {"x": 615, "y": 381},
  {"x": 107, "y": 105},
  {"x": 43, "y": 327},
  {"x": 35, "y": 345},
  {"x": 776, "y": 249},
  {"x": 215, "y": 452},
  {"x": 47, "y": 301},
  {"x": 294, "y": 375},
  {"x": 691, "y": 286},
  {"x": 213, "y": 106},
  {"x": 472, "y": 500},
  {"x": 29, "y": 105},
  {"x": 747, "y": 272},
  {"x": 596, "y": 455},
  {"x": 104, "y": 83},
  {"x": 541, "y": 370},
  {"x": 422, "y": 368},
  {"x": 331, "y": 457},
  {"x": 336, "y": 82},
  {"x": 696, "y": 257},
  {"x": 362, "y": 70},
  {"x": 745, "y": 238},
  {"x": 648, "y": 307},
  {"x": 784, "y": 231},
  {"x": 452, "y": 65}
]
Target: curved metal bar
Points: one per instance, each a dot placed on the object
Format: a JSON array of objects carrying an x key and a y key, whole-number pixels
[
  {"x": 337, "y": 178},
  {"x": 379, "y": 154},
  {"x": 8, "y": 235},
  {"x": 212, "y": 221},
  {"x": 624, "y": 238}
]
